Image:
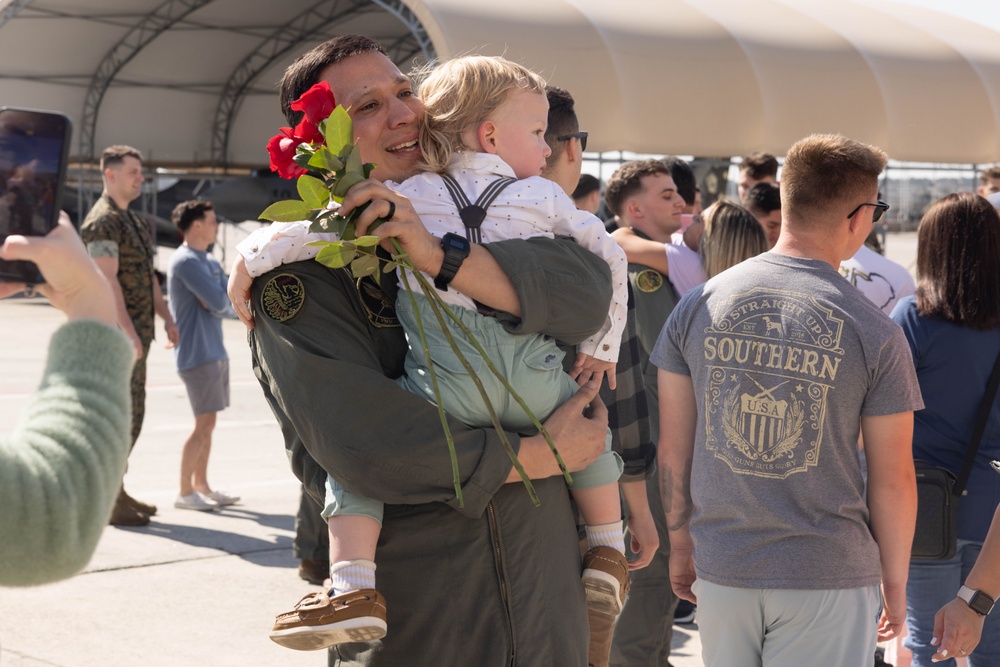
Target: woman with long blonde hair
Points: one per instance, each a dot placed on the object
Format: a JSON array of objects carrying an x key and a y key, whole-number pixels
[{"x": 731, "y": 235}]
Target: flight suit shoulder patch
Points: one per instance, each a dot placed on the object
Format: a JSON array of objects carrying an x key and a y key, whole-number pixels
[
  {"x": 283, "y": 297},
  {"x": 649, "y": 280}
]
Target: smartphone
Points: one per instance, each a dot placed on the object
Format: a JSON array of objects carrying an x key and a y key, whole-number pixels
[{"x": 34, "y": 148}]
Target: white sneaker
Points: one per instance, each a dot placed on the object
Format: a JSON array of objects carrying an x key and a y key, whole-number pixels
[
  {"x": 222, "y": 498},
  {"x": 196, "y": 501}
]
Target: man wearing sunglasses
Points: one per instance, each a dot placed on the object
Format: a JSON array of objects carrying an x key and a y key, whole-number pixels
[
  {"x": 768, "y": 375},
  {"x": 879, "y": 278},
  {"x": 628, "y": 416}
]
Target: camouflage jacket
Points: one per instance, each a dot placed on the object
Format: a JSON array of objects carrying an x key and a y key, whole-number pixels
[{"x": 109, "y": 228}]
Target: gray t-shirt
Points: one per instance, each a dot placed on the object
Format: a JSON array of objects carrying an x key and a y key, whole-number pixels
[{"x": 785, "y": 356}]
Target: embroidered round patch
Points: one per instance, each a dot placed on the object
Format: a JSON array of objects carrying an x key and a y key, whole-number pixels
[
  {"x": 283, "y": 297},
  {"x": 649, "y": 280},
  {"x": 378, "y": 307}
]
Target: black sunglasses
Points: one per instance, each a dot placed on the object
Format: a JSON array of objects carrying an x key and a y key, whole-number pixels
[
  {"x": 582, "y": 136},
  {"x": 880, "y": 208}
]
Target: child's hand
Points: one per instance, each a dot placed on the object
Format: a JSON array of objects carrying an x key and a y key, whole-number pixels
[
  {"x": 239, "y": 291},
  {"x": 586, "y": 367},
  {"x": 645, "y": 540}
]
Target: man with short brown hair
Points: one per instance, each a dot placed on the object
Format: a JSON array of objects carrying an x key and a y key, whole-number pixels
[
  {"x": 325, "y": 348},
  {"x": 767, "y": 374},
  {"x": 643, "y": 196},
  {"x": 199, "y": 303},
  {"x": 989, "y": 181},
  {"x": 121, "y": 243},
  {"x": 757, "y": 167},
  {"x": 763, "y": 200}
]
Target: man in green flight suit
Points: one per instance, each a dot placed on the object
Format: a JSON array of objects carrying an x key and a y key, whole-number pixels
[{"x": 643, "y": 196}]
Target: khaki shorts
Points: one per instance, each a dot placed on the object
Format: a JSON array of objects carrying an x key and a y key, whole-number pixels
[{"x": 207, "y": 386}]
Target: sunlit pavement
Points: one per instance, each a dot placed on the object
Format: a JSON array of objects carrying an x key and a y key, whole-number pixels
[{"x": 192, "y": 588}]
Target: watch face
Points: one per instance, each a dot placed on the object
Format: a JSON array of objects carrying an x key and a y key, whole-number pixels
[
  {"x": 455, "y": 242},
  {"x": 981, "y": 603}
]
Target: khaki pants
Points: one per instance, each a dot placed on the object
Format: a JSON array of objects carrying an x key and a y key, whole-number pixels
[{"x": 753, "y": 627}]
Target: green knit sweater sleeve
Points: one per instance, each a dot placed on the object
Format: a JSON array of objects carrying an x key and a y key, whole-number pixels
[{"x": 61, "y": 468}]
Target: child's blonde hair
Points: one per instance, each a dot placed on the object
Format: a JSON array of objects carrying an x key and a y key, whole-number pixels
[{"x": 460, "y": 94}]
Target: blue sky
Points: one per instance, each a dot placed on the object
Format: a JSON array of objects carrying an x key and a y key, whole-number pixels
[{"x": 985, "y": 12}]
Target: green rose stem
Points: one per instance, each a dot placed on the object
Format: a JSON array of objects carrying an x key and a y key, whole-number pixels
[
  {"x": 434, "y": 299},
  {"x": 359, "y": 253},
  {"x": 475, "y": 378}
]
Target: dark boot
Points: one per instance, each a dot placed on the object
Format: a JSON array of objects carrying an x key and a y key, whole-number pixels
[
  {"x": 314, "y": 571},
  {"x": 125, "y": 515},
  {"x": 138, "y": 506}
]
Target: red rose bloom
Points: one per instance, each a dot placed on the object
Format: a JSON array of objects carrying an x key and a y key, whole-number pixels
[
  {"x": 281, "y": 148},
  {"x": 308, "y": 132},
  {"x": 317, "y": 103}
]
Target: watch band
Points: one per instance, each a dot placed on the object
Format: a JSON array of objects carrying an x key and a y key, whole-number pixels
[
  {"x": 979, "y": 602},
  {"x": 456, "y": 249}
]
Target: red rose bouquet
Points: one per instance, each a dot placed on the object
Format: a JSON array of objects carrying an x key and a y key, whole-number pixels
[{"x": 321, "y": 155}]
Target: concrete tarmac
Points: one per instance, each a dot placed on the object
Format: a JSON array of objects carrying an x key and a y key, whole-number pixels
[{"x": 192, "y": 588}]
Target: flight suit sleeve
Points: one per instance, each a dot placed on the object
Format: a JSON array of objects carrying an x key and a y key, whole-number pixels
[{"x": 564, "y": 289}]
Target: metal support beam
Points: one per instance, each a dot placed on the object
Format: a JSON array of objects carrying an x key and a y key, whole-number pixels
[
  {"x": 307, "y": 25},
  {"x": 10, "y": 8},
  {"x": 406, "y": 16},
  {"x": 314, "y": 21},
  {"x": 145, "y": 31}
]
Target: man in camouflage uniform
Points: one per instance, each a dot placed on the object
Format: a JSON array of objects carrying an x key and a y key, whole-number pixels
[{"x": 121, "y": 244}]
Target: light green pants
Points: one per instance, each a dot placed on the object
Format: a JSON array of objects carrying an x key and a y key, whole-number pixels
[{"x": 532, "y": 364}]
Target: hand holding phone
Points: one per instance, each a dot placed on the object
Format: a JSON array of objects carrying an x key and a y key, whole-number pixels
[
  {"x": 73, "y": 283},
  {"x": 33, "y": 153}
]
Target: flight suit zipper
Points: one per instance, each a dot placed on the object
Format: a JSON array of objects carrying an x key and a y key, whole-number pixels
[{"x": 501, "y": 577}]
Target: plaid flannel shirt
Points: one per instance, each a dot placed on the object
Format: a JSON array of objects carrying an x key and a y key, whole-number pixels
[{"x": 628, "y": 411}]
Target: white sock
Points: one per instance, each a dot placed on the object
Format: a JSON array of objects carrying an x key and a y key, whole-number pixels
[
  {"x": 607, "y": 535},
  {"x": 351, "y": 575}
]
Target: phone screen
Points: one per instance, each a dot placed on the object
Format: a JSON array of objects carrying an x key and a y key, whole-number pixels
[{"x": 33, "y": 153}]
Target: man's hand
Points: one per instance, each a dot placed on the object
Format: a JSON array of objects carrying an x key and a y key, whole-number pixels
[
  {"x": 405, "y": 226},
  {"x": 893, "y": 617},
  {"x": 579, "y": 437},
  {"x": 173, "y": 334},
  {"x": 239, "y": 291},
  {"x": 681, "y": 567},
  {"x": 587, "y": 367},
  {"x": 645, "y": 540}
]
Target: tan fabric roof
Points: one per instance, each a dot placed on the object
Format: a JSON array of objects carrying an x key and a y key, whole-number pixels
[
  {"x": 192, "y": 81},
  {"x": 724, "y": 77}
]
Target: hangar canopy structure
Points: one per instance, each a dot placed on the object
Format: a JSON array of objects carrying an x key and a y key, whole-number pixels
[{"x": 192, "y": 82}]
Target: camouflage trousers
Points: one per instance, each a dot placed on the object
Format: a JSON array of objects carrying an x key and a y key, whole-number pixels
[{"x": 139, "y": 393}]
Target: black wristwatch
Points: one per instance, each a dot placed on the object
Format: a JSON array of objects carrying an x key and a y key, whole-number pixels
[
  {"x": 456, "y": 249},
  {"x": 978, "y": 601}
]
